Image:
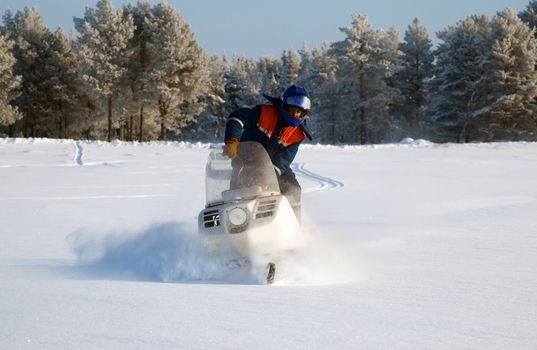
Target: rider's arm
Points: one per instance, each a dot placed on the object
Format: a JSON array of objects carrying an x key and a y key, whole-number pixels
[{"x": 241, "y": 119}]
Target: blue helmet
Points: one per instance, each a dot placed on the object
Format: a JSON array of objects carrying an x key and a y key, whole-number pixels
[{"x": 295, "y": 96}]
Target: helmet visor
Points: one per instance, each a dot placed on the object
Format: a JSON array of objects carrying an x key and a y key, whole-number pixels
[{"x": 299, "y": 101}]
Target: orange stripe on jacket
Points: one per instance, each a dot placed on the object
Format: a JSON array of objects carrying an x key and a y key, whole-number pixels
[{"x": 267, "y": 123}]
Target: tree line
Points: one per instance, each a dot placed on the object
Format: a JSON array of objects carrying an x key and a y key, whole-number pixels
[{"x": 137, "y": 73}]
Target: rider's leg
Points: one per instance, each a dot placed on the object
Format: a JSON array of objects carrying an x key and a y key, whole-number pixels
[{"x": 291, "y": 189}]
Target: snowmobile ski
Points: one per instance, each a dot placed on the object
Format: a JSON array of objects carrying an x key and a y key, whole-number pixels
[{"x": 270, "y": 272}]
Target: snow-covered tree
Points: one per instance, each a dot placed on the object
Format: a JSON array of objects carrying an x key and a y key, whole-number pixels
[
  {"x": 529, "y": 15},
  {"x": 305, "y": 71},
  {"x": 269, "y": 75},
  {"x": 458, "y": 68},
  {"x": 177, "y": 69},
  {"x": 32, "y": 40},
  {"x": 137, "y": 97},
  {"x": 316, "y": 73},
  {"x": 242, "y": 83},
  {"x": 415, "y": 72},
  {"x": 102, "y": 45},
  {"x": 9, "y": 83},
  {"x": 325, "y": 119},
  {"x": 65, "y": 106},
  {"x": 503, "y": 99},
  {"x": 484, "y": 88},
  {"x": 290, "y": 68},
  {"x": 366, "y": 60},
  {"x": 209, "y": 126}
]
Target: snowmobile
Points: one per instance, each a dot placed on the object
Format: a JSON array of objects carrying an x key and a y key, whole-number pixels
[{"x": 245, "y": 212}]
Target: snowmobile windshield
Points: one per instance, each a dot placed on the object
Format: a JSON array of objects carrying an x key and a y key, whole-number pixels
[{"x": 250, "y": 174}]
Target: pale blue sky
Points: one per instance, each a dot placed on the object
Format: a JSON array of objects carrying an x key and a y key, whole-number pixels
[{"x": 256, "y": 28}]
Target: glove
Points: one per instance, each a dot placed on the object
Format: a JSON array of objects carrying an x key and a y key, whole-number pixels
[{"x": 230, "y": 147}]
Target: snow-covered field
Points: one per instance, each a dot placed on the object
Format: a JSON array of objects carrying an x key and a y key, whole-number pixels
[{"x": 411, "y": 246}]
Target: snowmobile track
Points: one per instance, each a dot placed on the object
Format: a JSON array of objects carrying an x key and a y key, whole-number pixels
[
  {"x": 325, "y": 183},
  {"x": 79, "y": 153}
]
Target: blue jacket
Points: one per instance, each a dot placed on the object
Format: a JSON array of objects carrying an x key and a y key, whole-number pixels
[{"x": 243, "y": 124}]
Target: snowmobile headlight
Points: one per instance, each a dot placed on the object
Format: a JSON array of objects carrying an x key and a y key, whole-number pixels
[{"x": 238, "y": 216}]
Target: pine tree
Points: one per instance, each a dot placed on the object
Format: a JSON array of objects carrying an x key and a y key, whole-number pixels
[
  {"x": 458, "y": 69},
  {"x": 529, "y": 15},
  {"x": 313, "y": 77},
  {"x": 9, "y": 83},
  {"x": 325, "y": 120},
  {"x": 138, "y": 97},
  {"x": 32, "y": 40},
  {"x": 64, "y": 98},
  {"x": 269, "y": 75},
  {"x": 507, "y": 89},
  {"x": 103, "y": 52},
  {"x": 416, "y": 70},
  {"x": 290, "y": 68},
  {"x": 243, "y": 83},
  {"x": 366, "y": 60},
  {"x": 209, "y": 126},
  {"x": 177, "y": 69},
  {"x": 305, "y": 71}
]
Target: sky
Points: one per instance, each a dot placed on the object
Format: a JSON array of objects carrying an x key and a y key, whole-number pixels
[
  {"x": 409, "y": 246},
  {"x": 258, "y": 28}
]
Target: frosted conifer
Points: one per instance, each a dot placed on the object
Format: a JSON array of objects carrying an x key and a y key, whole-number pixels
[
  {"x": 9, "y": 84},
  {"x": 243, "y": 83},
  {"x": 416, "y": 70},
  {"x": 366, "y": 59},
  {"x": 64, "y": 98},
  {"x": 326, "y": 122},
  {"x": 177, "y": 69},
  {"x": 305, "y": 71},
  {"x": 32, "y": 40},
  {"x": 504, "y": 96},
  {"x": 209, "y": 126},
  {"x": 458, "y": 68},
  {"x": 269, "y": 73},
  {"x": 290, "y": 68},
  {"x": 529, "y": 15},
  {"x": 103, "y": 53}
]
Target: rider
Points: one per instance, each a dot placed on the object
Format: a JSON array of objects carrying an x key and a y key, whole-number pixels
[{"x": 280, "y": 127}]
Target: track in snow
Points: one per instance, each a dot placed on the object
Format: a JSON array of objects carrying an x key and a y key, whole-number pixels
[
  {"x": 79, "y": 153},
  {"x": 78, "y": 158},
  {"x": 325, "y": 183}
]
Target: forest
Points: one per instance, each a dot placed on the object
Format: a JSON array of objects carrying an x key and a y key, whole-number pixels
[{"x": 137, "y": 73}]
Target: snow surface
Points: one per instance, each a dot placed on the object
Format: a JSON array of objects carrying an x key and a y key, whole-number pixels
[{"x": 410, "y": 246}]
